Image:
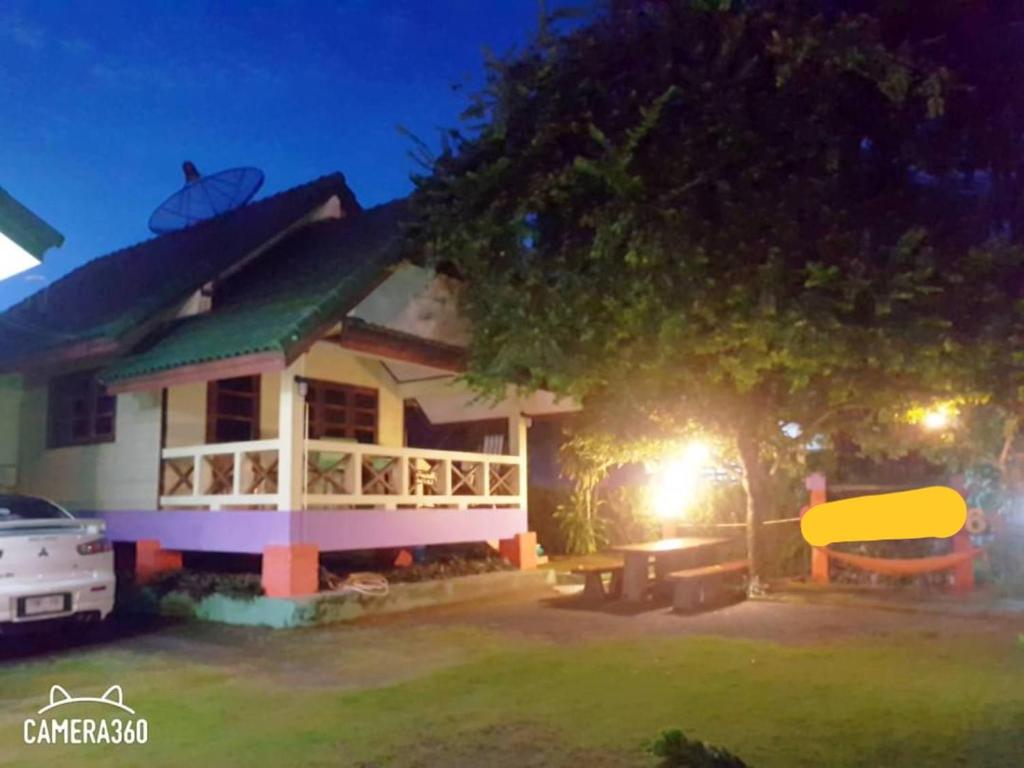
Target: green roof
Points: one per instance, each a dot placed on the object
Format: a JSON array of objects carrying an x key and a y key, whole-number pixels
[
  {"x": 25, "y": 228},
  {"x": 310, "y": 279},
  {"x": 117, "y": 297}
]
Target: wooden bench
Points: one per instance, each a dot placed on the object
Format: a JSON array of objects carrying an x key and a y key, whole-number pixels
[
  {"x": 593, "y": 585},
  {"x": 695, "y": 586}
]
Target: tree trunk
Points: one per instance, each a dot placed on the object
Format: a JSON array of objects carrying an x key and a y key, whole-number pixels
[{"x": 756, "y": 487}]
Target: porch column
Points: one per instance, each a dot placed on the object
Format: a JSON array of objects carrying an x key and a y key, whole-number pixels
[
  {"x": 291, "y": 426},
  {"x": 291, "y": 570},
  {"x": 517, "y": 439},
  {"x": 521, "y": 549}
]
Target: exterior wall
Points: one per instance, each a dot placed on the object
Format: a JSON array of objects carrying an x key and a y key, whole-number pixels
[
  {"x": 186, "y": 415},
  {"x": 417, "y": 301},
  {"x": 10, "y": 407},
  {"x": 270, "y": 405},
  {"x": 242, "y": 531},
  {"x": 109, "y": 476},
  {"x": 186, "y": 404}
]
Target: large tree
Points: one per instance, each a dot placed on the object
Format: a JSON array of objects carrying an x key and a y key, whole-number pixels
[{"x": 690, "y": 217}]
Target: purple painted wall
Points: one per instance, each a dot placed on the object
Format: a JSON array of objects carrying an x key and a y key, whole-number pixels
[
  {"x": 330, "y": 530},
  {"x": 335, "y": 530},
  {"x": 234, "y": 531}
]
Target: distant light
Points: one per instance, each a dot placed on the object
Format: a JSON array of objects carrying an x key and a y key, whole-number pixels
[
  {"x": 936, "y": 420},
  {"x": 675, "y": 485},
  {"x": 792, "y": 430},
  {"x": 13, "y": 258}
]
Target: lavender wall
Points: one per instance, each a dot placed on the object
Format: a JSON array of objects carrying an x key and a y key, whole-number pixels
[
  {"x": 329, "y": 530},
  {"x": 223, "y": 531},
  {"x": 335, "y": 530}
]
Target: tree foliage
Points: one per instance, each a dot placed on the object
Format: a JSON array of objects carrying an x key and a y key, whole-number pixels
[{"x": 726, "y": 217}]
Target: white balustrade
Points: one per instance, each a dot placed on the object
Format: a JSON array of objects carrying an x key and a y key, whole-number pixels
[{"x": 339, "y": 474}]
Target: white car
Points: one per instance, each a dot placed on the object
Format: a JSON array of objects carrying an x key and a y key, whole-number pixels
[{"x": 52, "y": 565}]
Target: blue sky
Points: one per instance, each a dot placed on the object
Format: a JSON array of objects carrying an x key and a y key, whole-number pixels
[{"x": 105, "y": 100}]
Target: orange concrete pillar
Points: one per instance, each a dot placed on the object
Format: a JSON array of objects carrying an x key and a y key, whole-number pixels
[
  {"x": 963, "y": 574},
  {"x": 818, "y": 494},
  {"x": 151, "y": 559},
  {"x": 521, "y": 550},
  {"x": 291, "y": 570},
  {"x": 819, "y": 565}
]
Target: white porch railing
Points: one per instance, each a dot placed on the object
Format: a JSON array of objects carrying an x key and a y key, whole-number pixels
[
  {"x": 340, "y": 474},
  {"x": 220, "y": 475}
]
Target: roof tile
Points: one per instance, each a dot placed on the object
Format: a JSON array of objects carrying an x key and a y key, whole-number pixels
[{"x": 117, "y": 293}]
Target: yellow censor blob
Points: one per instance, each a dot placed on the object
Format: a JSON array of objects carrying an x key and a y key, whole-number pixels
[{"x": 919, "y": 514}]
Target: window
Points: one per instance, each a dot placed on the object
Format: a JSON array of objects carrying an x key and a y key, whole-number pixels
[
  {"x": 233, "y": 410},
  {"x": 342, "y": 411},
  {"x": 80, "y": 410},
  {"x": 29, "y": 508}
]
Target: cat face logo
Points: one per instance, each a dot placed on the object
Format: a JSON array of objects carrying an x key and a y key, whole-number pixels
[{"x": 114, "y": 697}]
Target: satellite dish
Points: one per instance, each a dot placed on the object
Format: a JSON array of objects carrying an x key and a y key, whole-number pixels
[{"x": 204, "y": 197}]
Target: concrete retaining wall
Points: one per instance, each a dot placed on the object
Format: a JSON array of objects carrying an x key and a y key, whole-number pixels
[{"x": 329, "y": 608}]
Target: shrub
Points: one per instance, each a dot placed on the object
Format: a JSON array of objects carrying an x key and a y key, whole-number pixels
[
  {"x": 677, "y": 751},
  {"x": 581, "y": 523},
  {"x": 627, "y": 516},
  {"x": 447, "y": 568},
  {"x": 200, "y": 584}
]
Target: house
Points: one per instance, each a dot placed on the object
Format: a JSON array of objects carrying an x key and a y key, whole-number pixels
[{"x": 279, "y": 380}]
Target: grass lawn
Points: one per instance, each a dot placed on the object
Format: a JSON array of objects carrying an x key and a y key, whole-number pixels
[{"x": 461, "y": 695}]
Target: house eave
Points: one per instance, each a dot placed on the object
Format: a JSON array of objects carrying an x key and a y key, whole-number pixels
[{"x": 243, "y": 365}]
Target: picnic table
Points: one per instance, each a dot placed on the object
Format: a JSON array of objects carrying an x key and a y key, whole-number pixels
[{"x": 668, "y": 555}]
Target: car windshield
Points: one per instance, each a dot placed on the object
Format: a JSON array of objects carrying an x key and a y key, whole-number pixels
[{"x": 29, "y": 508}]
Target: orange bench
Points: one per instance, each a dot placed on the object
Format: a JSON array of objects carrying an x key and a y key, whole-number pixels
[
  {"x": 695, "y": 586},
  {"x": 593, "y": 585}
]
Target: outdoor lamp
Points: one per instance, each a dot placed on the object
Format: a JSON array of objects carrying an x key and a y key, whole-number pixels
[
  {"x": 677, "y": 479},
  {"x": 24, "y": 237},
  {"x": 937, "y": 418}
]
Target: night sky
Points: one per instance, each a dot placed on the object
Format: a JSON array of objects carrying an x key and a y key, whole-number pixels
[{"x": 103, "y": 101}]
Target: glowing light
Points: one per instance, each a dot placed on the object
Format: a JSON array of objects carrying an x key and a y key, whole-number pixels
[
  {"x": 937, "y": 418},
  {"x": 14, "y": 258},
  {"x": 677, "y": 481}
]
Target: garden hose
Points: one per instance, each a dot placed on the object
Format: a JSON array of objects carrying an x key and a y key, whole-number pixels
[{"x": 364, "y": 583}]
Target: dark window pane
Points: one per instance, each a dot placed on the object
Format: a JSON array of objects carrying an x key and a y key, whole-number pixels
[
  {"x": 233, "y": 409},
  {"x": 335, "y": 396},
  {"x": 230, "y": 431},
  {"x": 29, "y": 508},
  {"x": 239, "y": 384},
  {"x": 80, "y": 411},
  {"x": 236, "y": 405},
  {"x": 333, "y": 411},
  {"x": 61, "y": 433}
]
